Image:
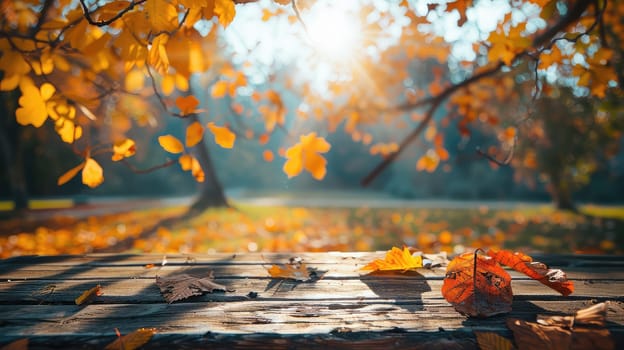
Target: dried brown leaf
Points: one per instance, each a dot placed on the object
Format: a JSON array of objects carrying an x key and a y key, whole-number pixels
[
  {"x": 182, "y": 286},
  {"x": 20, "y": 344},
  {"x": 493, "y": 341}
]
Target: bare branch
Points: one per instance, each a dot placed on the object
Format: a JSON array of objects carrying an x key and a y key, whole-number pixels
[
  {"x": 102, "y": 23},
  {"x": 150, "y": 169}
]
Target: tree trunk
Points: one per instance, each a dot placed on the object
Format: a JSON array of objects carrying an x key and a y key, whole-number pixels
[
  {"x": 11, "y": 151},
  {"x": 211, "y": 192},
  {"x": 561, "y": 193}
]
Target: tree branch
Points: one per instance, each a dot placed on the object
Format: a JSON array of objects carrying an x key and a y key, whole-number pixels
[
  {"x": 573, "y": 14},
  {"x": 106, "y": 22},
  {"x": 150, "y": 169}
]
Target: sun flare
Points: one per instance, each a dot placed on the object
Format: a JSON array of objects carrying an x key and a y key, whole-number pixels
[{"x": 335, "y": 32}]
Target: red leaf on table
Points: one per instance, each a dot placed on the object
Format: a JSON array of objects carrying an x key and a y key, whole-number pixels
[
  {"x": 553, "y": 278},
  {"x": 477, "y": 286}
]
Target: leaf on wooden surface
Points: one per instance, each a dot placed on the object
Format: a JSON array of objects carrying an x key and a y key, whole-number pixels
[
  {"x": 595, "y": 315},
  {"x": 182, "y": 286},
  {"x": 88, "y": 296},
  {"x": 20, "y": 344},
  {"x": 553, "y": 278},
  {"x": 295, "y": 269},
  {"x": 477, "y": 286},
  {"x": 131, "y": 341},
  {"x": 396, "y": 260},
  {"x": 493, "y": 341}
]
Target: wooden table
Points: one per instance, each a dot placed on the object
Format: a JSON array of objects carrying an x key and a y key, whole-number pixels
[{"x": 345, "y": 308}]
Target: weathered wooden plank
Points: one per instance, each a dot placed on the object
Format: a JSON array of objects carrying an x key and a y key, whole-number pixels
[
  {"x": 304, "y": 317},
  {"x": 146, "y": 291},
  {"x": 345, "y": 270}
]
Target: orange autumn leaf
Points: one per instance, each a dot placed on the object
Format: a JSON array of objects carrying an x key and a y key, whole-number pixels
[
  {"x": 20, "y": 344},
  {"x": 219, "y": 89},
  {"x": 223, "y": 136},
  {"x": 194, "y": 134},
  {"x": 477, "y": 286},
  {"x": 92, "y": 173},
  {"x": 553, "y": 278},
  {"x": 132, "y": 341},
  {"x": 70, "y": 174},
  {"x": 294, "y": 270},
  {"x": 89, "y": 295},
  {"x": 396, "y": 260},
  {"x": 428, "y": 162},
  {"x": 171, "y": 144},
  {"x": 268, "y": 155},
  {"x": 187, "y": 104},
  {"x": 123, "y": 149},
  {"x": 305, "y": 155}
]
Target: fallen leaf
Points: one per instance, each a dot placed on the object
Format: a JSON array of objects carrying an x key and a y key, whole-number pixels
[
  {"x": 295, "y": 269},
  {"x": 553, "y": 278},
  {"x": 477, "y": 286},
  {"x": 88, "y": 296},
  {"x": 131, "y": 341},
  {"x": 182, "y": 286},
  {"x": 20, "y": 344},
  {"x": 493, "y": 341},
  {"x": 595, "y": 315},
  {"x": 396, "y": 260}
]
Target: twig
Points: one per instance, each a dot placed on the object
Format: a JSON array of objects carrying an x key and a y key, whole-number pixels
[
  {"x": 150, "y": 169},
  {"x": 106, "y": 22}
]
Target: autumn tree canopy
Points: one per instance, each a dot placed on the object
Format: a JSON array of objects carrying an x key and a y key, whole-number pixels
[{"x": 87, "y": 66}]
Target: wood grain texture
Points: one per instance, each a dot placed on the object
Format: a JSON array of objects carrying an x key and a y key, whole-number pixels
[{"x": 346, "y": 308}]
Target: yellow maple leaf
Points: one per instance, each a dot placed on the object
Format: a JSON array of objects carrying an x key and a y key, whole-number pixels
[
  {"x": 92, "y": 173},
  {"x": 33, "y": 108},
  {"x": 223, "y": 136},
  {"x": 225, "y": 11},
  {"x": 194, "y": 134},
  {"x": 305, "y": 155},
  {"x": 187, "y": 104},
  {"x": 123, "y": 149},
  {"x": 395, "y": 260},
  {"x": 171, "y": 144}
]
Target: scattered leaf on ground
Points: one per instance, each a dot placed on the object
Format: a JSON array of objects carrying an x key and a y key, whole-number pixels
[
  {"x": 396, "y": 260},
  {"x": 592, "y": 316},
  {"x": 89, "y": 295},
  {"x": 553, "y": 278},
  {"x": 132, "y": 341},
  {"x": 182, "y": 286},
  {"x": 20, "y": 344},
  {"x": 295, "y": 269},
  {"x": 493, "y": 341},
  {"x": 477, "y": 286}
]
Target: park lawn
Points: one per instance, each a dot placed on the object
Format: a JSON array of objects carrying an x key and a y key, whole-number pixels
[{"x": 530, "y": 228}]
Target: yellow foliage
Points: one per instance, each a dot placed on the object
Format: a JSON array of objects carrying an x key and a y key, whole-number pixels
[
  {"x": 219, "y": 89},
  {"x": 305, "y": 155},
  {"x": 158, "y": 54},
  {"x": 33, "y": 108},
  {"x": 223, "y": 136},
  {"x": 171, "y": 144},
  {"x": 92, "y": 173},
  {"x": 194, "y": 134},
  {"x": 123, "y": 149},
  {"x": 162, "y": 15},
  {"x": 225, "y": 11},
  {"x": 70, "y": 174}
]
